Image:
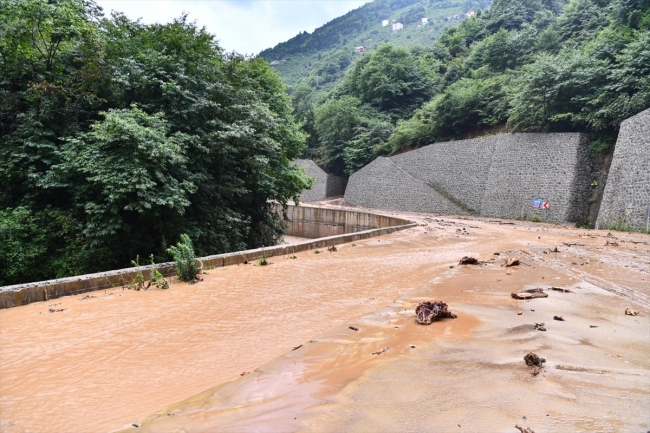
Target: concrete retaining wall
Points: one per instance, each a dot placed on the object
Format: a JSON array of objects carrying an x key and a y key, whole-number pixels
[
  {"x": 627, "y": 192},
  {"x": 384, "y": 185},
  {"x": 332, "y": 220},
  {"x": 461, "y": 168},
  {"x": 550, "y": 167},
  {"x": 325, "y": 185},
  {"x": 495, "y": 176}
]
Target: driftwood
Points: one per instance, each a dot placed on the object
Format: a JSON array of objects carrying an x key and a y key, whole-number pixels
[
  {"x": 468, "y": 261},
  {"x": 512, "y": 261},
  {"x": 524, "y": 429},
  {"x": 427, "y": 312},
  {"x": 532, "y": 360},
  {"x": 539, "y": 327},
  {"x": 560, "y": 289},
  {"x": 530, "y": 294},
  {"x": 379, "y": 352},
  {"x": 574, "y": 244}
]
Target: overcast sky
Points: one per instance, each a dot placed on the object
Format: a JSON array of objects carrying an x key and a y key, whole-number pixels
[{"x": 245, "y": 26}]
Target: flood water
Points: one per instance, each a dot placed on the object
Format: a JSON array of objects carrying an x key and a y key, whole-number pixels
[{"x": 112, "y": 358}]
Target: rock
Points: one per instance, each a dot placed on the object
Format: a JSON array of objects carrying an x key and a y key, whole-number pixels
[
  {"x": 558, "y": 318},
  {"x": 629, "y": 312}
]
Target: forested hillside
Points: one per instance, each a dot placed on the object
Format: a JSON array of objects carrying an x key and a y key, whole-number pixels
[
  {"x": 321, "y": 58},
  {"x": 117, "y": 137},
  {"x": 538, "y": 65}
]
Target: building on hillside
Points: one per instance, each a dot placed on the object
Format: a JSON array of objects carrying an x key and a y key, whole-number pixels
[
  {"x": 425, "y": 21},
  {"x": 275, "y": 63},
  {"x": 455, "y": 17},
  {"x": 397, "y": 27},
  {"x": 470, "y": 14},
  {"x": 384, "y": 23},
  {"x": 394, "y": 21},
  {"x": 360, "y": 49}
]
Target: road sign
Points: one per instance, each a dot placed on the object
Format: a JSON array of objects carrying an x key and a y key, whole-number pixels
[
  {"x": 537, "y": 203},
  {"x": 545, "y": 205}
]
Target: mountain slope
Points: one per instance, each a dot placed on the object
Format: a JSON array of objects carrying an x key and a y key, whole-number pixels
[{"x": 320, "y": 58}]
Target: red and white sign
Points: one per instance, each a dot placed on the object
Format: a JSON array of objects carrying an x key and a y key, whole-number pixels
[{"x": 545, "y": 205}]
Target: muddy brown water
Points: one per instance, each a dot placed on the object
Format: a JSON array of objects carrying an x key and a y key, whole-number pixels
[{"x": 116, "y": 357}]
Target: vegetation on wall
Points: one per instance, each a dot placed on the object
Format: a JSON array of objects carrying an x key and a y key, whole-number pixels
[{"x": 116, "y": 137}]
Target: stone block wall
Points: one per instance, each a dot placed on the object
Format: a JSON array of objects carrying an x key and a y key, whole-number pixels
[
  {"x": 494, "y": 176},
  {"x": 550, "y": 167},
  {"x": 384, "y": 185},
  {"x": 325, "y": 185},
  {"x": 461, "y": 168},
  {"x": 627, "y": 192}
]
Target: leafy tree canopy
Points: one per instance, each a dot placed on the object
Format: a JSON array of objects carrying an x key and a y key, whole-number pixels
[{"x": 117, "y": 137}]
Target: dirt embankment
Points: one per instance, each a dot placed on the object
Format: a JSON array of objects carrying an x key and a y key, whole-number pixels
[{"x": 360, "y": 362}]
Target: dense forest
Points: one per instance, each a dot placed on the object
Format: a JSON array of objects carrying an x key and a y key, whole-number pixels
[
  {"x": 537, "y": 65},
  {"x": 117, "y": 137}
]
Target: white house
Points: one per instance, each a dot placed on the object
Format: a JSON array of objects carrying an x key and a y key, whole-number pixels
[
  {"x": 384, "y": 23},
  {"x": 360, "y": 49},
  {"x": 275, "y": 63},
  {"x": 425, "y": 21},
  {"x": 470, "y": 14},
  {"x": 397, "y": 27}
]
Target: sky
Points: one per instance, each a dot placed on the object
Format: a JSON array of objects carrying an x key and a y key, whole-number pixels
[{"x": 245, "y": 26}]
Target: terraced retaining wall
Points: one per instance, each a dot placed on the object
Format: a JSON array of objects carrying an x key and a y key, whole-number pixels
[
  {"x": 626, "y": 198},
  {"x": 497, "y": 176},
  {"x": 330, "y": 226}
]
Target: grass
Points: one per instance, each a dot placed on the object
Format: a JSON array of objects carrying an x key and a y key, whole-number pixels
[{"x": 623, "y": 226}]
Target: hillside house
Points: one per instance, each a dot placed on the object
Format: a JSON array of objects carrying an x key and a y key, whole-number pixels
[
  {"x": 425, "y": 21},
  {"x": 360, "y": 49},
  {"x": 470, "y": 14},
  {"x": 384, "y": 23},
  {"x": 397, "y": 27},
  {"x": 275, "y": 63}
]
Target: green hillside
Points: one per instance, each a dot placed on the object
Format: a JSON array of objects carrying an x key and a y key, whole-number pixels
[
  {"x": 534, "y": 65},
  {"x": 321, "y": 58}
]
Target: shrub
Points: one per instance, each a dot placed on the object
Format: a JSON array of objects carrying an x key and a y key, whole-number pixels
[
  {"x": 156, "y": 278},
  {"x": 187, "y": 267}
]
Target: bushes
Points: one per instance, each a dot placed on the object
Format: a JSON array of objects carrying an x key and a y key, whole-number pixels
[{"x": 187, "y": 267}]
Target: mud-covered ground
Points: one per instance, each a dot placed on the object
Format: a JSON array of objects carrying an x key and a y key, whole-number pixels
[{"x": 110, "y": 359}]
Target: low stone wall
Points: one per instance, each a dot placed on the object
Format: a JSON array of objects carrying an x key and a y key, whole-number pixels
[
  {"x": 325, "y": 185},
  {"x": 342, "y": 222},
  {"x": 495, "y": 176},
  {"x": 627, "y": 192}
]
